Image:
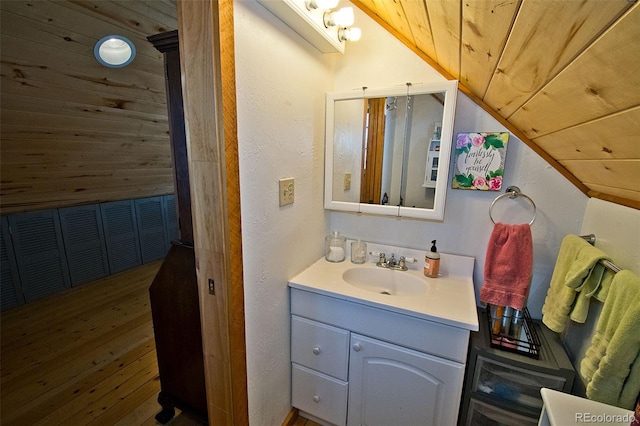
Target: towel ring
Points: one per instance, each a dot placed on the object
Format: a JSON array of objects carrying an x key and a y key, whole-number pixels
[{"x": 513, "y": 192}]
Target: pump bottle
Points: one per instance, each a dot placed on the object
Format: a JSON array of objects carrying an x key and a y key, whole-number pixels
[{"x": 432, "y": 262}]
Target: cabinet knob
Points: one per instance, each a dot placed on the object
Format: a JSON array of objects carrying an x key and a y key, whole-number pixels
[
  {"x": 357, "y": 347},
  {"x": 316, "y": 398},
  {"x": 316, "y": 350}
]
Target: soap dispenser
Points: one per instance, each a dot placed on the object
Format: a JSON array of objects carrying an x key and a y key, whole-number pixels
[
  {"x": 335, "y": 245},
  {"x": 432, "y": 262}
]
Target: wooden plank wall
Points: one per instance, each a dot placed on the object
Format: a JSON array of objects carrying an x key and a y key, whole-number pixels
[{"x": 73, "y": 131}]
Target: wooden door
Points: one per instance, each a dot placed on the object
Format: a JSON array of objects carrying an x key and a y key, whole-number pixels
[{"x": 372, "y": 167}]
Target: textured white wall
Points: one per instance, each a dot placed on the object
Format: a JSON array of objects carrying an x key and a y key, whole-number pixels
[
  {"x": 347, "y": 146},
  {"x": 281, "y": 86},
  {"x": 466, "y": 227},
  {"x": 617, "y": 231}
]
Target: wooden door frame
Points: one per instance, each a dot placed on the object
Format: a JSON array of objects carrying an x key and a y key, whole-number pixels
[
  {"x": 371, "y": 178},
  {"x": 205, "y": 30}
]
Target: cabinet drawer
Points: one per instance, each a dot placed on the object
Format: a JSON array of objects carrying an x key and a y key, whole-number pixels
[
  {"x": 481, "y": 413},
  {"x": 319, "y": 395},
  {"x": 513, "y": 384},
  {"x": 319, "y": 346}
]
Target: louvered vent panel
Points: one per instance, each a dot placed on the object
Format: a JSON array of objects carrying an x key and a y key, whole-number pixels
[
  {"x": 171, "y": 210},
  {"x": 171, "y": 217},
  {"x": 4, "y": 255},
  {"x": 10, "y": 290},
  {"x": 40, "y": 255},
  {"x": 37, "y": 234},
  {"x": 89, "y": 265},
  {"x": 121, "y": 235},
  {"x": 44, "y": 278},
  {"x": 85, "y": 243},
  {"x": 119, "y": 219},
  {"x": 151, "y": 228},
  {"x": 8, "y": 296},
  {"x": 150, "y": 212},
  {"x": 156, "y": 246},
  {"x": 80, "y": 224},
  {"x": 126, "y": 256}
]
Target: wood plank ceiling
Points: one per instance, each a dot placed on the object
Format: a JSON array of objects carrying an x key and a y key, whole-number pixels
[
  {"x": 561, "y": 75},
  {"x": 73, "y": 131}
]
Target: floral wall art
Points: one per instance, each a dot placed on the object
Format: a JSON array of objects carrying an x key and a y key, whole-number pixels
[{"x": 479, "y": 160}]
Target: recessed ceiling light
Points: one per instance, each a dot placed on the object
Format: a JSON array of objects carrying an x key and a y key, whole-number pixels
[{"x": 114, "y": 51}]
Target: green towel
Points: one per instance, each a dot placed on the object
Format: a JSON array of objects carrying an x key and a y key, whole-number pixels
[
  {"x": 611, "y": 366},
  {"x": 603, "y": 290},
  {"x": 588, "y": 277},
  {"x": 597, "y": 286},
  {"x": 574, "y": 271}
]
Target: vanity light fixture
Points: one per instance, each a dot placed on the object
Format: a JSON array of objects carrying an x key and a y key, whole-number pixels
[
  {"x": 349, "y": 34},
  {"x": 339, "y": 18},
  {"x": 315, "y": 21},
  {"x": 321, "y": 4},
  {"x": 114, "y": 51}
]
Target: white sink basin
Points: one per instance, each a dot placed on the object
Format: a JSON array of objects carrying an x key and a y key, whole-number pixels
[
  {"x": 449, "y": 299},
  {"x": 385, "y": 281}
]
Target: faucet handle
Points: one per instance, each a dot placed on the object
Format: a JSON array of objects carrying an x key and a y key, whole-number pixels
[{"x": 381, "y": 256}]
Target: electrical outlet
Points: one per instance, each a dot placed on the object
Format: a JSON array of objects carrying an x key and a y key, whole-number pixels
[
  {"x": 347, "y": 181},
  {"x": 286, "y": 191}
]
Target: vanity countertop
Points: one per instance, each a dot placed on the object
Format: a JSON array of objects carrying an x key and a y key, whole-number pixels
[{"x": 448, "y": 299}]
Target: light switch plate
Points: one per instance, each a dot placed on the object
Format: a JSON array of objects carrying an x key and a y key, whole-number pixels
[
  {"x": 347, "y": 181},
  {"x": 286, "y": 191}
]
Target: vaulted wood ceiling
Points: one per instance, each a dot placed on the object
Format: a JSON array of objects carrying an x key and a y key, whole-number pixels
[{"x": 561, "y": 75}]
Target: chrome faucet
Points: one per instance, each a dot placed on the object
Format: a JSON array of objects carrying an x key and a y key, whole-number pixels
[{"x": 399, "y": 265}]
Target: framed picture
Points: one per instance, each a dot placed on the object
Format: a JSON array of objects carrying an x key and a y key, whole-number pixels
[{"x": 479, "y": 160}]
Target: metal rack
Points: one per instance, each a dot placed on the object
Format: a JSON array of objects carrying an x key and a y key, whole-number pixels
[
  {"x": 503, "y": 387},
  {"x": 530, "y": 347}
]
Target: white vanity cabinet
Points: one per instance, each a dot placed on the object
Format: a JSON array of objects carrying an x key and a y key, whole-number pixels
[
  {"x": 392, "y": 385},
  {"x": 354, "y": 364},
  {"x": 320, "y": 357}
]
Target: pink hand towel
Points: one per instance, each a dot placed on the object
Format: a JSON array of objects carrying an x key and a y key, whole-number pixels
[{"x": 508, "y": 265}]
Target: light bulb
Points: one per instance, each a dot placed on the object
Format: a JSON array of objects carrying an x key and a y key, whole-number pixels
[
  {"x": 349, "y": 34},
  {"x": 114, "y": 51},
  {"x": 342, "y": 18},
  {"x": 321, "y": 4}
]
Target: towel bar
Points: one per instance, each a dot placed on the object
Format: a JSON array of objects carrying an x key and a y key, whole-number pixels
[
  {"x": 591, "y": 239},
  {"x": 513, "y": 192}
]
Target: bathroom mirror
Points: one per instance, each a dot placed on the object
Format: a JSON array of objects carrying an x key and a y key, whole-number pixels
[{"x": 384, "y": 146}]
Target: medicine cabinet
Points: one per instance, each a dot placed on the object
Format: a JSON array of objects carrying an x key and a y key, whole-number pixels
[{"x": 387, "y": 150}]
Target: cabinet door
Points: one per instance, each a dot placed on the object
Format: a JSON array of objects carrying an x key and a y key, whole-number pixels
[{"x": 392, "y": 385}]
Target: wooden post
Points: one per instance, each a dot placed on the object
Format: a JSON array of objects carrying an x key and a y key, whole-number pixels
[{"x": 208, "y": 70}]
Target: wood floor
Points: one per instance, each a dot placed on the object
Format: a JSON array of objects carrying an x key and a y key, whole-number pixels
[{"x": 84, "y": 356}]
